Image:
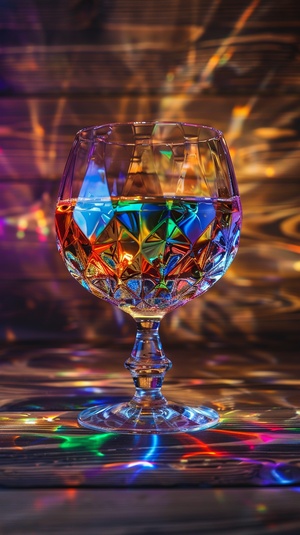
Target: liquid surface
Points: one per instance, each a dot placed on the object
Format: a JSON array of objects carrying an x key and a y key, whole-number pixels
[{"x": 148, "y": 256}]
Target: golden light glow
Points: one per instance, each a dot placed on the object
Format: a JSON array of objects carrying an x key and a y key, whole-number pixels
[
  {"x": 270, "y": 171},
  {"x": 296, "y": 266},
  {"x": 127, "y": 258}
]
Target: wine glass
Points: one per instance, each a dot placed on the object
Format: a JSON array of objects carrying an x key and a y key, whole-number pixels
[{"x": 148, "y": 217}]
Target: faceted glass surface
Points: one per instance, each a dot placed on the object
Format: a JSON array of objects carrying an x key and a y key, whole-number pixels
[{"x": 148, "y": 256}]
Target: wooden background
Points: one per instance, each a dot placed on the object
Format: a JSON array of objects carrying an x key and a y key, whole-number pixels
[{"x": 232, "y": 64}]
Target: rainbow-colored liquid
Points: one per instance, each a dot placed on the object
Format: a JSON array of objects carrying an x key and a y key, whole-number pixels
[{"x": 148, "y": 256}]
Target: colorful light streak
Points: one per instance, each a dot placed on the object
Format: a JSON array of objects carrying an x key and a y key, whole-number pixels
[
  {"x": 224, "y": 50},
  {"x": 154, "y": 452},
  {"x": 138, "y": 464},
  {"x": 91, "y": 443},
  {"x": 223, "y": 53},
  {"x": 153, "y": 449},
  {"x": 203, "y": 449}
]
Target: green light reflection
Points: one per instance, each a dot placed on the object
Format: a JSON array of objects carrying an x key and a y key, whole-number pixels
[{"x": 91, "y": 443}]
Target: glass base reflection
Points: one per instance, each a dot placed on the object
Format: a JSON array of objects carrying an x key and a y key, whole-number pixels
[{"x": 131, "y": 418}]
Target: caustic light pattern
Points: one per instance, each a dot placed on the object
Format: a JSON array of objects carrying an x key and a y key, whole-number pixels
[{"x": 148, "y": 256}]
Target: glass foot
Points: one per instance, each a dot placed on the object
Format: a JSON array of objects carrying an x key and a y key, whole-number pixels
[{"x": 129, "y": 418}]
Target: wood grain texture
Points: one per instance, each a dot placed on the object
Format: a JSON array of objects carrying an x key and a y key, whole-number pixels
[{"x": 41, "y": 445}]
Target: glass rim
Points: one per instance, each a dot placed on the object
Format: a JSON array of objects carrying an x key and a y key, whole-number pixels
[{"x": 83, "y": 133}]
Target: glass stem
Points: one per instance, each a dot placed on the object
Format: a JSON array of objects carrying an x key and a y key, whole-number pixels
[{"x": 148, "y": 365}]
